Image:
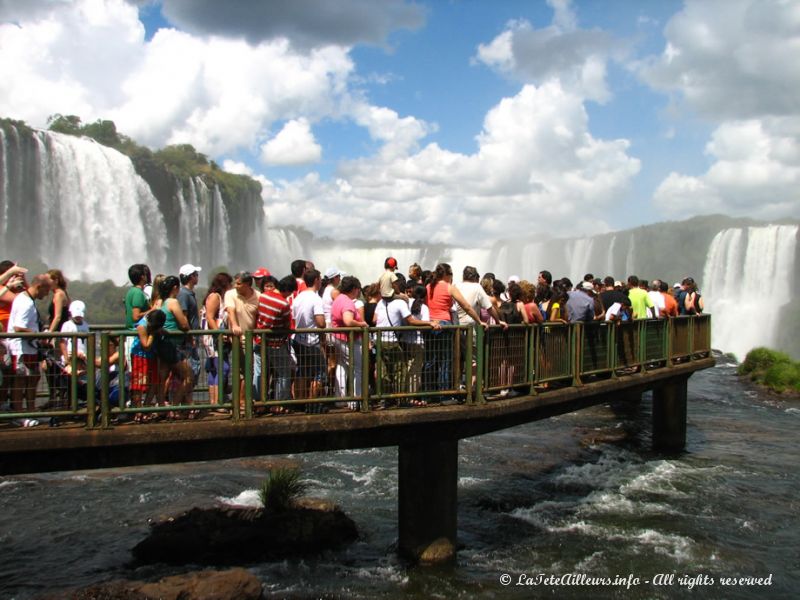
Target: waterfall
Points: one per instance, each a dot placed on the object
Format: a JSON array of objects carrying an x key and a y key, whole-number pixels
[
  {"x": 77, "y": 205},
  {"x": 203, "y": 231},
  {"x": 748, "y": 277}
]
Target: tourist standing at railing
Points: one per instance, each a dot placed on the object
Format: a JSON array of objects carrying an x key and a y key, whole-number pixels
[
  {"x": 145, "y": 379},
  {"x": 344, "y": 313},
  {"x": 190, "y": 276},
  {"x": 654, "y": 291},
  {"x": 558, "y": 303},
  {"x": 530, "y": 305},
  {"x": 390, "y": 313},
  {"x": 274, "y": 312},
  {"x": 670, "y": 304},
  {"x": 308, "y": 313},
  {"x": 542, "y": 297},
  {"x": 137, "y": 304},
  {"x": 12, "y": 282},
  {"x": 57, "y": 315},
  {"x": 174, "y": 370},
  {"x": 693, "y": 301},
  {"x": 25, "y": 359},
  {"x": 640, "y": 301},
  {"x": 580, "y": 303},
  {"x": 330, "y": 289},
  {"x": 241, "y": 304},
  {"x": 441, "y": 296},
  {"x": 215, "y": 318}
]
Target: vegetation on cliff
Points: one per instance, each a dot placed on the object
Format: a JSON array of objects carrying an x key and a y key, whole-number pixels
[{"x": 773, "y": 369}]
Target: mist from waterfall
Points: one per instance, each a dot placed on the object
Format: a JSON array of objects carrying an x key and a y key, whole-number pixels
[{"x": 748, "y": 278}]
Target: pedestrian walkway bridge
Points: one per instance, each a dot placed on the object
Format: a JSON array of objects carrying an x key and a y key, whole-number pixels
[{"x": 550, "y": 369}]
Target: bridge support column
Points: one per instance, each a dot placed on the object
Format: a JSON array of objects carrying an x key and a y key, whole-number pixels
[
  {"x": 669, "y": 415},
  {"x": 428, "y": 506}
]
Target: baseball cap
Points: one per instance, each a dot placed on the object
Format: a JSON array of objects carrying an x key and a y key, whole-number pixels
[
  {"x": 391, "y": 263},
  {"x": 261, "y": 272},
  {"x": 77, "y": 309},
  {"x": 188, "y": 269},
  {"x": 332, "y": 272}
]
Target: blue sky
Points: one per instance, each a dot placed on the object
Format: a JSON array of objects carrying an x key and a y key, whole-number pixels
[{"x": 459, "y": 122}]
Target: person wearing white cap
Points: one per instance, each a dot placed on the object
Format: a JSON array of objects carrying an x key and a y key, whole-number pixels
[{"x": 76, "y": 324}]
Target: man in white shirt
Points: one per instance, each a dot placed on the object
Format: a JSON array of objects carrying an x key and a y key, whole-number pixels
[
  {"x": 308, "y": 312},
  {"x": 24, "y": 318}
]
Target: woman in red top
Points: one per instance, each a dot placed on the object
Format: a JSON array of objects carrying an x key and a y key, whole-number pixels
[{"x": 441, "y": 295}]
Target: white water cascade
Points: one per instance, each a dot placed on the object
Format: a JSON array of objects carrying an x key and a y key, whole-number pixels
[
  {"x": 77, "y": 204},
  {"x": 747, "y": 278},
  {"x": 203, "y": 234}
]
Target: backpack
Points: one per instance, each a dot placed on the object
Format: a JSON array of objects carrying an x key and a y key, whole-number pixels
[{"x": 509, "y": 313}]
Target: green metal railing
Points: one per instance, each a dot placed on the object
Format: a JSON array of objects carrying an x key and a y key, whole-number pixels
[{"x": 358, "y": 369}]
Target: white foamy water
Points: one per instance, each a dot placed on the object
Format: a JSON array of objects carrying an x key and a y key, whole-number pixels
[{"x": 248, "y": 498}]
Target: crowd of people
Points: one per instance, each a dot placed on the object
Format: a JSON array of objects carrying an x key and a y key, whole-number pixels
[{"x": 302, "y": 356}]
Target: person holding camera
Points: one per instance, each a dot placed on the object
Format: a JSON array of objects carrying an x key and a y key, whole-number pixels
[{"x": 25, "y": 357}]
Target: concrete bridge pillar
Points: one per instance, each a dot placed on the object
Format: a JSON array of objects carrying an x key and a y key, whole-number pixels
[
  {"x": 428, "y": 506},
  {"x": 669, "y": 415}
]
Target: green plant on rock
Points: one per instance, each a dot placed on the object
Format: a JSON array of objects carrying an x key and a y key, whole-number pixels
[
  {"x": 759, "y": 360},
  {"x": 281, "y": 488},
  {"x": 783, "y": 376}
]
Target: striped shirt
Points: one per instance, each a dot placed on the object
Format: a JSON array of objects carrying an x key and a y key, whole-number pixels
[{"x": 273, "y": 313}]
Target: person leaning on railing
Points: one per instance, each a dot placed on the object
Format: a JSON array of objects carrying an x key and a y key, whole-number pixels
[{"x": 345, "y": 314}]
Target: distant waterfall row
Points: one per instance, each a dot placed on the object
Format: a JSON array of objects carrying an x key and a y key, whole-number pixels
[{"x": 81, "y": 207}]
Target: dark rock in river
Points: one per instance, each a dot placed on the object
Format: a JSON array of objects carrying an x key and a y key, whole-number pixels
[
  {"x": 233, "y": 584},
  {"x": 224, "y": 536}
]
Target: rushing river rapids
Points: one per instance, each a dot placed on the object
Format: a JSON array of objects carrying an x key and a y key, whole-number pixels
[{"x": 547, "y": 502}]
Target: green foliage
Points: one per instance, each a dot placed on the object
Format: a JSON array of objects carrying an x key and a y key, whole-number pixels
[
  {"x": 758, "y": 360},
  {"x": 783, "y": 376},
  {"x": 281, "y": 488},
  {"x": 776, "y": 370},
  {"x": 104, "y": 301}
]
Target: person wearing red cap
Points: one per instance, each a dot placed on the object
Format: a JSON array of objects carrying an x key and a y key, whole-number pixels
[
  {"x": 388, "y": 281},
  {"x": 259, "y": 276}
]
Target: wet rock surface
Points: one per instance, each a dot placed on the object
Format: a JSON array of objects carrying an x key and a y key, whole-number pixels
[
  {"x": 228, "y": 535},
  {"x": 231, "y": 584}
]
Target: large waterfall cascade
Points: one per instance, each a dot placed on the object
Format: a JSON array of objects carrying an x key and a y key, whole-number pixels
[
  {"x": 76, "y": 204},
  {"x": 748, "y": 277}
]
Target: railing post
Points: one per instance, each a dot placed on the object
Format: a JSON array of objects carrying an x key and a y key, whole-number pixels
[
  {"x": 104, "y": 408},
  {"x": 691, "y": 337},
  {"x": 378, "y": 364},
  {"x": 468, "y": 361},
  {"x": 577, "y": 349},
  {"x": 532, "y": 332},
  {"x": 480, "y": 363},
  {"x": 248, "y": 374},
  {"x": 364, "y": 369},
  {"x": 91, "y": 373},
  {"x": 236, "y": 376}
]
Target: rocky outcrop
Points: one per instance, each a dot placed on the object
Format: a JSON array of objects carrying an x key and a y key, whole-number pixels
[
  {"x": 224, "y": 536},
  {"x": 232, "y": 584}
]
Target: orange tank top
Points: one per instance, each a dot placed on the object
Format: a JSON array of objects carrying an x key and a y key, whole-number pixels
[{"x": 440, "y": 301}]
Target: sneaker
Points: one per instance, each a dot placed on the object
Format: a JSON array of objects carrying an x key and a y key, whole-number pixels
[{"x": 30, "y": 423}]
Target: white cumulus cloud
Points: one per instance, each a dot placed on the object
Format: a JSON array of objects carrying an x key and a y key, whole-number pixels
[
  {"x": 731, "y": 62},
  {"x": 293, "y": 145}
]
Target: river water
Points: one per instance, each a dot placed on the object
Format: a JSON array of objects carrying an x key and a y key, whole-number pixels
[{"x": 580, "y": 494}]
